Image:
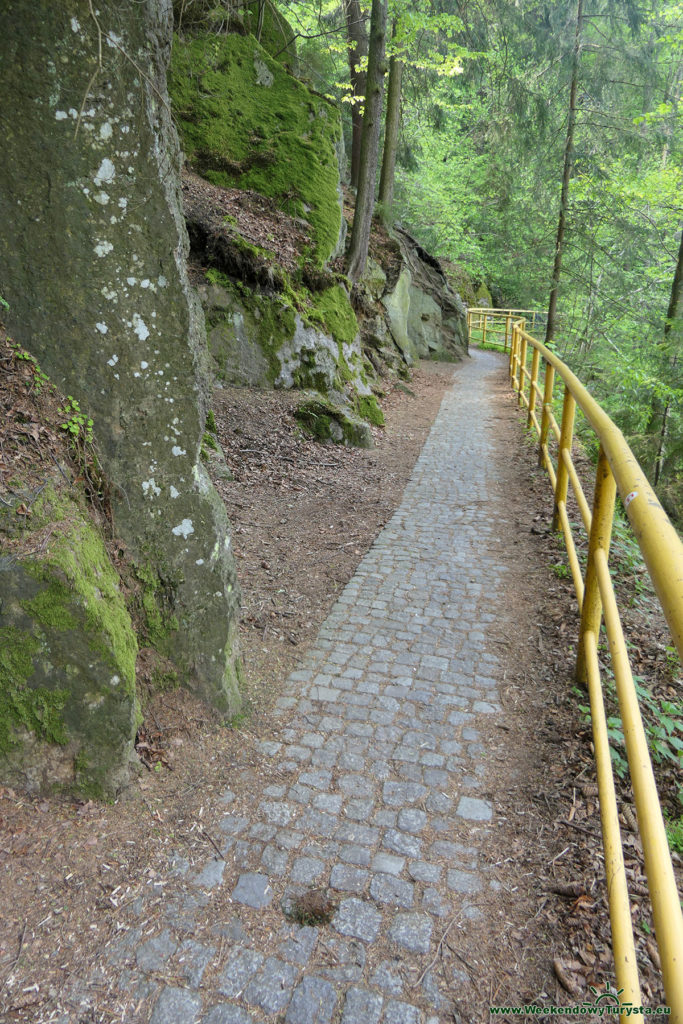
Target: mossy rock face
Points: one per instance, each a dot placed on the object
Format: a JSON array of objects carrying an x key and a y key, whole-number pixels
[
  {"x": 263, "y": 341},
  {"x": 276, "y": 37},
  {"x": 218, "y": 16},
  {"x": 246, "y": 123},
  {"x": 374, "y": 279},
  {"x": 68, "y": 708},
  {"x": 483, "y": 295},
  {"x": 330, "y": 421},
  {"x": 96, "y": 192}
]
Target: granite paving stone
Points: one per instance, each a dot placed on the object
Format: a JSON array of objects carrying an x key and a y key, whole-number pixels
[
  {"x": 412, "y": 931},
  {"x": 391, "y": 890},
  {"x": 241, "y": 965},
  {"x": 401, "y": 1013},
  {"x": 362, "y": 1006},
  {"x": 271, "y": 989},
  {"x": 154, "y": 954},
  {"x": 176, "y": 1004},
  {"x": 357, "y": 918},
  {"x": 226, "y": 1014},
  {"x": 388, "y": 978},
  {"x": 193, "y": 959},
  {"x": 314, "y": 1002}
]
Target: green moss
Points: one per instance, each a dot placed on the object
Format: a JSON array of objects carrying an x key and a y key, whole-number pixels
[
  {"x": 53, "y": 607},
  {"x": 331, "y": 310},
  {"x": 278, "y": 140},
  {"x": 158, "y": 622},
  {"x": 276, "y": 37},
  {"x": 328, "y": 422},
  {"x": 90, "y": 779},
  {"x": 269, "y": 321},
  {"x": 369, "y": 408},
  {"x": 37, "y": 709},
  {"x": 482, "y": 294},
  {"x": 217, "y": 277},
  {"x": 78, "y": 570},
  {"x": 211, "y": 422},
  {"x": 165, "y": 680}
]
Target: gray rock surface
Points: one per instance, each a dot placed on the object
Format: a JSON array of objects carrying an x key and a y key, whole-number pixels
[{"x": 89, "y": 186}]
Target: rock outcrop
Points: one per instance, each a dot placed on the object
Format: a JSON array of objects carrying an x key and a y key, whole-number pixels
[
  {"x": 436, "y": 321},
  {"x": 93, "y": 253}
]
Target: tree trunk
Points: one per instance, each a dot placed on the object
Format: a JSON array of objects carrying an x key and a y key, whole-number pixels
[
  {"x": 358, "y": 48},
  {"x": 568, "y": 160},
  {"x": 365, "y": 198},
  {"x": 673, "y": 330},
  {"x": 386, "y": 181}
]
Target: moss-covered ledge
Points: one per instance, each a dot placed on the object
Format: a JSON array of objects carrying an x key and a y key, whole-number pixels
[
  {"x": 245, "y": 122},
  {"x": 68, "y": 707}
]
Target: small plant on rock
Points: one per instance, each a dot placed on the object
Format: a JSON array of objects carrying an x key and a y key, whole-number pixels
[{"x": 77, "y": 424}]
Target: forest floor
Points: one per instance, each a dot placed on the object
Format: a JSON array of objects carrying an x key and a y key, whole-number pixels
[{"x": 303, "y": 515}]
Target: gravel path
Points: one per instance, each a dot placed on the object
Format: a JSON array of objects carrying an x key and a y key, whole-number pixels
[{"x": 378, "y": 773}]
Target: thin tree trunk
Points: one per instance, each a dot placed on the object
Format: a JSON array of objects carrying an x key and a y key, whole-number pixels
[
  {"x": 386, "y": 180},
  {"x": 365, "y": 198},
  {"x": 568, "y": 160},
  {"x": 672, "y": 328},
  {"x": 358, "y": 49}
]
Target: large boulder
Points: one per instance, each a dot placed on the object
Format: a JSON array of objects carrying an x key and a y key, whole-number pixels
[
  {"x": 436, "y": 317},
  {"x": 93, "y": 264},
  {"x": 262, "y": 340}
]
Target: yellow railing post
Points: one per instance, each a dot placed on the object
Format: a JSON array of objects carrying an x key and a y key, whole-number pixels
[
  {"x": 522, "y": 367},
  {"x": 535, "y": 359},
  {"x": 548, "y": 386},
  {"x": 511, "y": 359},
  {"x": 623, "y": 947},
  {"x": 566, "y": 435},
  {"x": 507, "y": 332},
  {"x": 483, "y": 333},
  {"x": 600, "y": 537}
]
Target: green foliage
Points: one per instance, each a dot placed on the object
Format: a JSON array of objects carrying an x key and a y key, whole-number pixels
[
  {"x": 77, "y": 424},
  {"x": 39, "y": 379},
  {"x": 663, "y": 722},
  {"x": 674, "y": 833},
  {"x": 560, "y": 570}
]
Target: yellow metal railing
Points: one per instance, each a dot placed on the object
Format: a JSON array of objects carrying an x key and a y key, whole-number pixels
[
  {"x": 617, "y": 472},
  {"x": 496, "y": 324}
]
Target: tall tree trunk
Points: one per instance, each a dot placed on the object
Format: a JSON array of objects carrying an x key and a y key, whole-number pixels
[
  {"x": 358, "y": 49},
  {"x": 568, "y": 160},
  {"x": 365, "y": 198},
  {"x": 386, "y": 180},
  {"x": 673, "y": 332}
]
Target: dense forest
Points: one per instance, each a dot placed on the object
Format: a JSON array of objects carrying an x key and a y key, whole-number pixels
[{"x": 537, "y": 146}]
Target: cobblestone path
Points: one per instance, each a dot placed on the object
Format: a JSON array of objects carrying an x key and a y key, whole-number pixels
[{"x": 370, "y": 782}]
